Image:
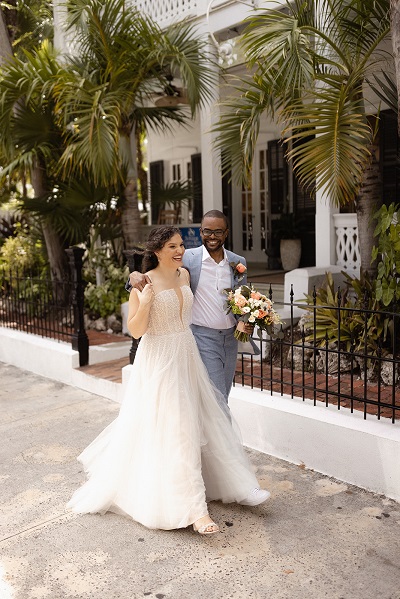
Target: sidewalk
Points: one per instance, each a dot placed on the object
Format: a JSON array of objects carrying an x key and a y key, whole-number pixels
[{"x": 316, "y": 538}]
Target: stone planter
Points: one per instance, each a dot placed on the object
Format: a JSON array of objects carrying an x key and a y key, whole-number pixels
[{"x": 290, "y": 253}]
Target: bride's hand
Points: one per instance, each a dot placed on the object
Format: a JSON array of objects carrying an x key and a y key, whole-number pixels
[{"x": 146, "y": 296}]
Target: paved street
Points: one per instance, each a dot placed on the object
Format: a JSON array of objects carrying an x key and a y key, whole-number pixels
[{"x": 316, "y": 538}]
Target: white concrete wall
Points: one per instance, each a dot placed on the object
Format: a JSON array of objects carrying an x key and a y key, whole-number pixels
[
  {"x": 39, "y": 355},
  {"x": 58, "y": 361},
  {"x": 365, "y": 453}
]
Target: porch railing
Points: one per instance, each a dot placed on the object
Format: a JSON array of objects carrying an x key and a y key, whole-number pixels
[
  {"x": 347, "y": 248},
  {"x": 47, "y": 307},
  {"x": 347, "y": 373},
  {"x": 165, "y": 12}
]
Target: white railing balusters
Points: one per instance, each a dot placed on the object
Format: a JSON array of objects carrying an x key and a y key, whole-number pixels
[
  {"x": 165, "y": 12},
  {"x": 347, "y": 248}
]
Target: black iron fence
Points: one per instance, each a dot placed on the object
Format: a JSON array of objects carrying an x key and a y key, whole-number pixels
[
  {"x": 46, "y": 306},
  {"x": 346, "y": 356}
]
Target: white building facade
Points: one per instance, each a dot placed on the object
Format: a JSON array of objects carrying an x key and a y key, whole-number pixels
[{"x": 329, "y": 239}]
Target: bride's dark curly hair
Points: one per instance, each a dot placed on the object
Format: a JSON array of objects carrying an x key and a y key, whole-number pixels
[{"x": 156, "y": 241}]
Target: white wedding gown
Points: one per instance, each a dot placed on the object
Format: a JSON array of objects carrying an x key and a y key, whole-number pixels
[{"x": 173, "y": 444}]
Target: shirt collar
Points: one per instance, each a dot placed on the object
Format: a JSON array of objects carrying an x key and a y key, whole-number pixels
[{"x": 207, "y": 256}]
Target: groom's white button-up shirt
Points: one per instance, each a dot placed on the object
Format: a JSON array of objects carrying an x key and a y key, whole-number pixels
[{"x": 209, "y": 300}]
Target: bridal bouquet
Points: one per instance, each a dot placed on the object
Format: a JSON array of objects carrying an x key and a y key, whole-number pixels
[{"x": 252, "y": 307}]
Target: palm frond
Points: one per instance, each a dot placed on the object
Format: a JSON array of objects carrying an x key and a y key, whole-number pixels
[
  {"x": 310, "y": 62},
  {"x": 332, "y": 138},
  {"x": 238, "y": 127},
  {"x": 386, "y": 89}
]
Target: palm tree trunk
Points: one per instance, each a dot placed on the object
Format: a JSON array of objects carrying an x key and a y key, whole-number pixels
[
  {"x": 5, "y": 44},
  {"x": 54, "y": 245},
  {"x": 368, "y": 202},
  {"x": 130, "y": 219},
  {"x": 395, "y": 33}
]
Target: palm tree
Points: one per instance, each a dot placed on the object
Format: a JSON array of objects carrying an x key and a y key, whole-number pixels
[
  {"x": 27, "y": 134},
  {"x": 31, "y": 143},
  {"x": 108, "y": 90},
  {"x": 30, "y": 139},
  {"x": 29, "y": 23},
  {"x": 310, "y": 66}
]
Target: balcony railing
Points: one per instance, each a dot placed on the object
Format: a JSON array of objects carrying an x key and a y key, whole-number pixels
[{"x": 165, "y": 12}]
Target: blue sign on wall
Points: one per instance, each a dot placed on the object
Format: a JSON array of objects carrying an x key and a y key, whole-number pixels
[{"x": 191, "y": 237}]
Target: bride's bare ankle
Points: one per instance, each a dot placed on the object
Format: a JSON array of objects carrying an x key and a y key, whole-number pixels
[{"x": 203, "y": 520}]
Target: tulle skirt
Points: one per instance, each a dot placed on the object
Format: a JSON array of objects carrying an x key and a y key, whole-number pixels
[{"x": 172, "y": 447}]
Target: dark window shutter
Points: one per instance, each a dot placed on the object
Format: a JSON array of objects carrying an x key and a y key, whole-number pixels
[
  {"x": 304, "y": 208},
  {"x": 156, "y": 180},
  {"x": 389, "y": 157},
  {"x": 197, "y": 188},
  {"x": 227, "y": 204},
  {"x": 277, "y": 176}
]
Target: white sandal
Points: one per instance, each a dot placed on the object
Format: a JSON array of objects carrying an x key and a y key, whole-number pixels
[{"x": 202, "y": 530}]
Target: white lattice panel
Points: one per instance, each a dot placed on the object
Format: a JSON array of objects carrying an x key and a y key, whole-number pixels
[
  {"x": 167, "y": 11},
  {"x": 347, "y": 248}
]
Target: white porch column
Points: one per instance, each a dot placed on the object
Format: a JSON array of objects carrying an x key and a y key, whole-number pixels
[
  {"x": 59, "y": 16},
  {"x": 63, "y": 40},
  {"x": 325, "y": 237},
  {"x": 210, "y": 159}
]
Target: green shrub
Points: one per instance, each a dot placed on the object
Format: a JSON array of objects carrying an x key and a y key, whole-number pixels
[
  {"x": 387, "y": 230},
  {"x": 106, "y": 299},
  {"x": 21, "y": 253},
  {"x": 363, "y": 325}
]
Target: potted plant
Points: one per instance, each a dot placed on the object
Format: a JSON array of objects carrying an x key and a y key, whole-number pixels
[{"x": 288, "y": 230}]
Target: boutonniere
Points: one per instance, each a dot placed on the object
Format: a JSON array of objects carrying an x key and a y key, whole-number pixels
[{"x": 239, "y": 270}]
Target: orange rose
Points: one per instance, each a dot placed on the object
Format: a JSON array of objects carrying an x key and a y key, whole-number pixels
[{"x": 255, "y": 295}]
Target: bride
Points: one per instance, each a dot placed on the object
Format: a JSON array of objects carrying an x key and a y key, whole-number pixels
[{"x": 173, "y": 444}]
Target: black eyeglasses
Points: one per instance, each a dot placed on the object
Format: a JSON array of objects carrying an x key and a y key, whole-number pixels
[{"x": 218, "y": 233}]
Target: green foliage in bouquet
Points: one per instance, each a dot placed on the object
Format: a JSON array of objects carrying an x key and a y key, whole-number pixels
[{"x": 251, "y": 307}]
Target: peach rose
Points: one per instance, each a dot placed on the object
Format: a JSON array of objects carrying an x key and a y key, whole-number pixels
[
  {"x": 240, "y": 301},
  {"x": 255, "y": 295},
  {"x": 241, "y": 268}
]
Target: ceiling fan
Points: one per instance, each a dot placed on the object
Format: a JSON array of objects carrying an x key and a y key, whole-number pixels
[{"x": 171, "y": 95}]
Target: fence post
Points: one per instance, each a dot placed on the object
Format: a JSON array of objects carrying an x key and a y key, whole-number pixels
[
  {"x": 80, "y": 341},
  {"x": 134, "y": 258}
]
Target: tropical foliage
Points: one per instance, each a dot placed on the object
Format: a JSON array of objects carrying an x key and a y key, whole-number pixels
[
  {"x": 104, "y": 299},
  {"x": 351, "y": 317},
  {"x": 29, "y": 23},
  {"x": 67, "y": 125},
  {"x": 387, "y": 251},
  {"x": 123, "y": 59},
  {"x": 310, "y": 66}
]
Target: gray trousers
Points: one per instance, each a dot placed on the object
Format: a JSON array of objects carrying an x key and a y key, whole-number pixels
[{"x": 218, "y": 350}]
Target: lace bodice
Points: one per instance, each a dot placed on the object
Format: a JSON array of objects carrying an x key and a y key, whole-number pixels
[{"x": 165, "y": 314}]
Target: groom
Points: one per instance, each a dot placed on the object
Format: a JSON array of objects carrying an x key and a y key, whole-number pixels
[{"x": 212, "y": 269}]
